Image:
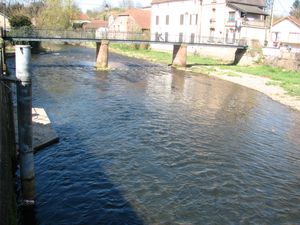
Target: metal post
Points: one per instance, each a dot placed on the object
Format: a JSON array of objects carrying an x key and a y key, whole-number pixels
[{"x": 24, "y": 101}]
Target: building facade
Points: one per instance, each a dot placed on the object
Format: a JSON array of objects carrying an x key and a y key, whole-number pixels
[
  {"x": 286, "y": 32},
  {"x": 131, "y": 23},
  {"x": 4, "y": 22},
  {"x": 211, "y": 21}
]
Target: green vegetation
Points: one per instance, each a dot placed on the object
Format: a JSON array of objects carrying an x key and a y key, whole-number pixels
[
  {"x": 289, "y": 80},
  {"x": 18, "y": 21},
  {"x": 46, "y": 14}
]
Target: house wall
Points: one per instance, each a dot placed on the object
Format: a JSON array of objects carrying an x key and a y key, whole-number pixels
[
  {"x": 287, "y": 32},
  {"x": 4, "y": 22},
  {"x": 209, "y": 22},
  {"x": 174, "y": 10},
  {"x": 123, "y": 27}
]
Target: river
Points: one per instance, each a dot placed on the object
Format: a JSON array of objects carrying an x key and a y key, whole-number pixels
[{"x": 146, "y": 144}]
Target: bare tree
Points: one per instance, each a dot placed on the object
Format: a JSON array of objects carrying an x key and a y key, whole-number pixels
[
  {"x": 126, "y": 4},
  {"x": 295, "y": 11}
]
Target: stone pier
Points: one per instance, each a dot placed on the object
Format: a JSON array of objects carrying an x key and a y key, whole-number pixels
[
  {"x": 102, "y": 55},
  {"x": 179, "y": 55}
]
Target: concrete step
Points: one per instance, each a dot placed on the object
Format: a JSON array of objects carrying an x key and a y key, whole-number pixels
[{"x": 43, "y": 133}]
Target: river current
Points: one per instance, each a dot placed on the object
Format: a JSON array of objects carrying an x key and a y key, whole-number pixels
[{"x": 146, "y": 144}]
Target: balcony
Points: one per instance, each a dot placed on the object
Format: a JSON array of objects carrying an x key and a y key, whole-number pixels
[{"x": 254, "y": 23}]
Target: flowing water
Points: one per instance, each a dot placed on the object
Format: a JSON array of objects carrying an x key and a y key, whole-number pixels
[{"x": 145, "y": 144}]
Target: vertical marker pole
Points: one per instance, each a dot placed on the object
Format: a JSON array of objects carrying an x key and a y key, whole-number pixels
[{"x": 24, "y": 101}]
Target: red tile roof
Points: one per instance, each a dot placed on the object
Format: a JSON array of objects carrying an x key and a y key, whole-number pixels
[
  {"x": 95, "y": 24},
  {"x": 293, "y": 19},
  {"x": 141, "y": 16},
  {"x": 83, "y": 16}
]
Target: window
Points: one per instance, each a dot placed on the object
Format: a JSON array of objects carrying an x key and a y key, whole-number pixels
[
  {"x": 276, "y": 36},
  {"x": 181, "y": 19},
  {"x": 156, "y": 36},
  {"x": 180, "y": 37},
  {"x": 196, "y": 22},
  {"x": 211, "y": 34},
  {"x": 157, "y": 20},
  {"x": 167, "y": 20},
  {"x": 191, "y": 19},
  {"x": 231, "y": 17},
  {"x": 166, "y": 37},
  {"x": 294, "y": 37},
  {"x": 192, "y": 38}
]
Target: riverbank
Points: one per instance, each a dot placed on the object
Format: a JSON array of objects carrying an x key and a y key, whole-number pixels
[{"x": 280, "y": 85}]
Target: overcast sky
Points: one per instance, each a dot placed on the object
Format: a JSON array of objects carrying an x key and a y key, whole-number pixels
[{"x": 280, "y": 6}]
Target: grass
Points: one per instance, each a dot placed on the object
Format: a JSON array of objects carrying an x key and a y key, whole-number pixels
[
  {"x": 157, "y": 56},
  {"x": 131, "y": 51},
  {"x": 289, "y": 80}
]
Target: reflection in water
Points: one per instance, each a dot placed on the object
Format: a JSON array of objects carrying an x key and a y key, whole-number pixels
[{"x": 145, "y": 144}]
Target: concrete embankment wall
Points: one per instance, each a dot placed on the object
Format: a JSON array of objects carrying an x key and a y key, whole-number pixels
[
  {"x": 7, "y": 157},
  {"x": 226, "y": 54},
  {"x": 288, "y": 59}
]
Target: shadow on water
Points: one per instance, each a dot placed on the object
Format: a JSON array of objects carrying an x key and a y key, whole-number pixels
[{"x": 88, "y": 196}]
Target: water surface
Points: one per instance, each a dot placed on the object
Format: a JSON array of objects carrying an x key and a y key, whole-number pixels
[{"x": 145, "y": 144}]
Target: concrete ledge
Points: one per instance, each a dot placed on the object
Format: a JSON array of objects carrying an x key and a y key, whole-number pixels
[{"x": 43, "y": 133}]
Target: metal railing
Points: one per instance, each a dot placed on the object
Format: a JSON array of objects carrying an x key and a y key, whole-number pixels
[{"x": 95, "y": 35}]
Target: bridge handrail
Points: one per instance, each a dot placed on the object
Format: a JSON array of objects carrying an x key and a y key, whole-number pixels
[{"x": 33, "y": 33}]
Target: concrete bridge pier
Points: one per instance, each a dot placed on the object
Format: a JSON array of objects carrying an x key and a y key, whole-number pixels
[
  {"x": 179, "y": 55},
  {"x": 102, "y": 55},
  {"x": 239, "y": 53}
]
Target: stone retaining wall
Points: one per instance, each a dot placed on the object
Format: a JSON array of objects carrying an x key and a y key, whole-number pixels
[
  {"x": 7, "y": 157},
  {"x": 283, "y": 58}
]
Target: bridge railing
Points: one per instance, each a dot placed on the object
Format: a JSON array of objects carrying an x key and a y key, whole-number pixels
[
  {"x": 94, "y": 35},
  {"x": 28, "y": 32},
  {"x": 195, "y": 39},
  {"x": 70, "y": 34}
]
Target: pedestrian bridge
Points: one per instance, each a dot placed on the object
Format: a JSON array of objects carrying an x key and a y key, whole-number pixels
[{"x": 103, "y": 38}]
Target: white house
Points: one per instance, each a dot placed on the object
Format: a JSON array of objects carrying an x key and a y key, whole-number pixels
[
  {"x": 215, "y": 21},
  {"x": 4, "y": 22},
  {"x": 286, "y": 31}
]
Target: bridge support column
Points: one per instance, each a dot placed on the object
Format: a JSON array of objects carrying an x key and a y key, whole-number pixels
[
  {"x": 179, "y": 55},
  {"x": 102, "y": 55},
  {"x": 239, "y": 53}
]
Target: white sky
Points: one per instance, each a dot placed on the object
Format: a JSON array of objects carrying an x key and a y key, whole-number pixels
[{"x": 281, "y": 7}]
